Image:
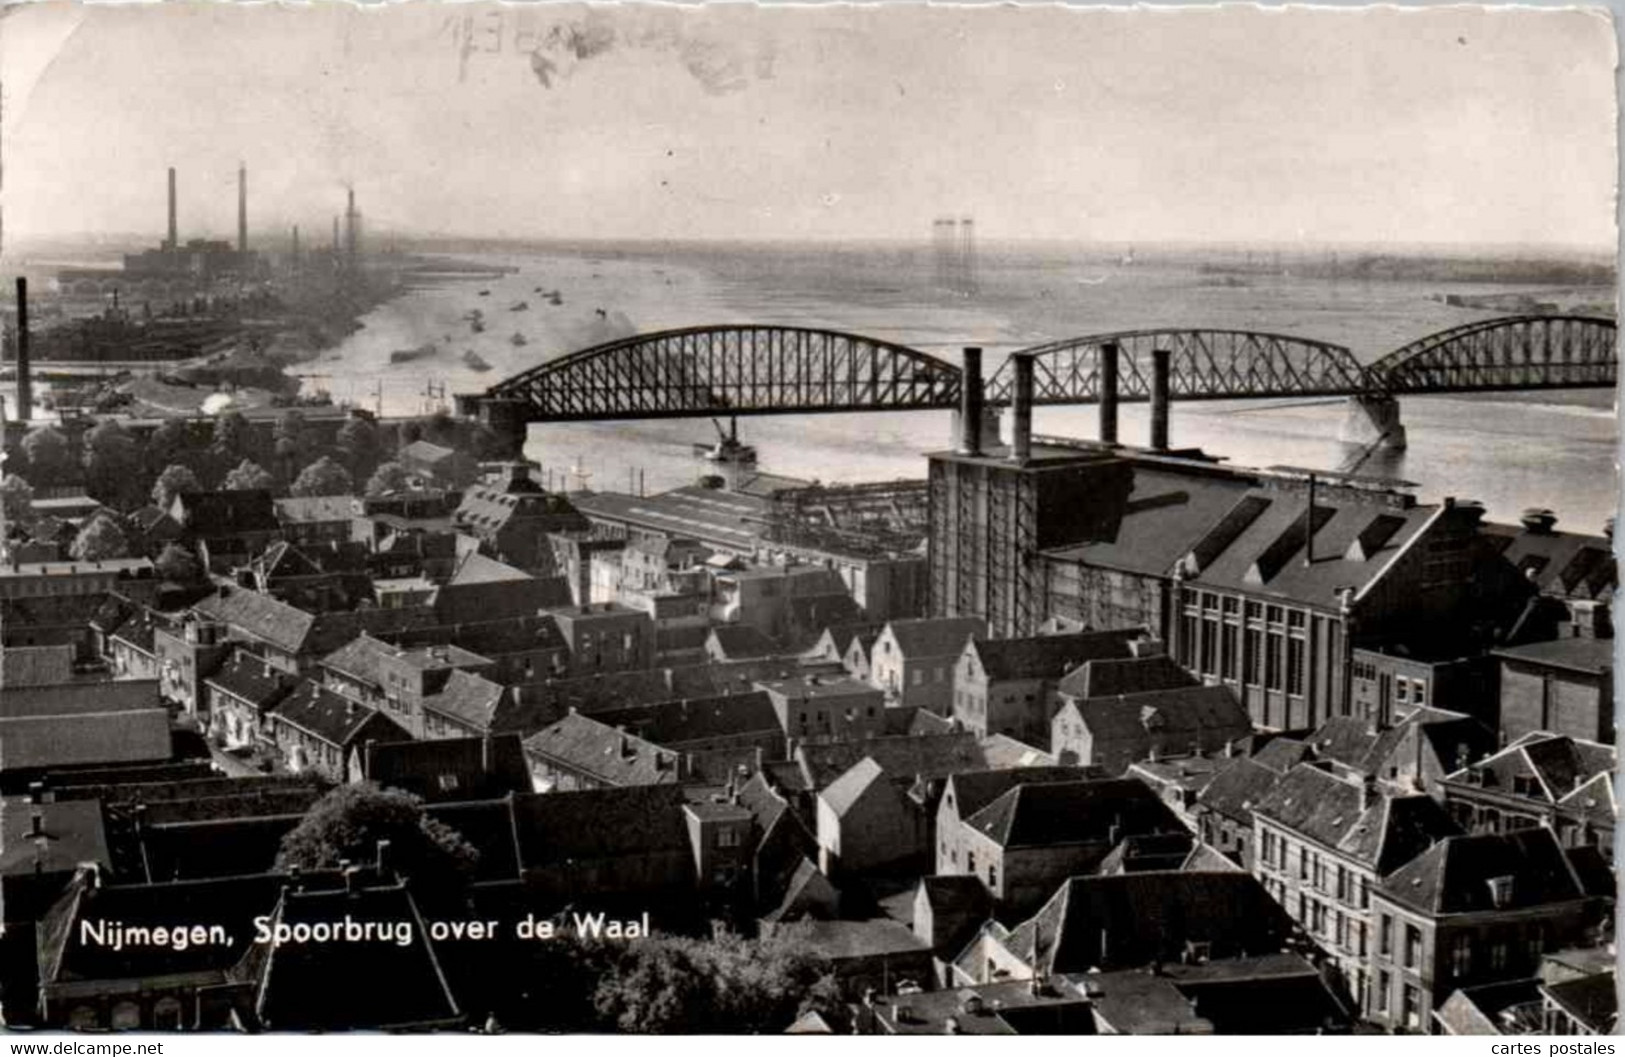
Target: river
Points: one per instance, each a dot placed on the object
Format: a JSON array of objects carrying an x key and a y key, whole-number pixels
[{"x": 1510, "y": 451}]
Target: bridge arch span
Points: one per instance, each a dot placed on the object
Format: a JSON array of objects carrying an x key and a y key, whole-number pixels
[
  {"x": 735, "y": 369},
  {"x": 1205, "y": 364},
  {"x": 1512, "y": 352}
]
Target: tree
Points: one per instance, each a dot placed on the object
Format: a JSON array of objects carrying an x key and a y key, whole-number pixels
[
  {"x": 178, "y": 565},
  {"x": 168, "y": 445},
  {"x": 112, "y": 464},
  {"x": 171, "y": 483},
  {"x": 323, "y": 477},
  {"x": 100, "y": 539},
  {"x": 233, "y": 438},
  {"x": 389, "y": 477},
  {"x": 671, "y": 984},
  {"x": 347, "y": 824},
  {"x": 289, "y": 435},
  {"x": 358, "y": 444},
  {"x": 248, "y": 477},
  {"x": 49, "y": 460},
  {"x": 16, "y": 497}
]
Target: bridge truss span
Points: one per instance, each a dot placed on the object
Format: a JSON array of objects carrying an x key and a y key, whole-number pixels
[
  {"x": 1515, "y": 352},
  {"x": 1204, "y": 365},
  {"x": 735, "y": 370}
]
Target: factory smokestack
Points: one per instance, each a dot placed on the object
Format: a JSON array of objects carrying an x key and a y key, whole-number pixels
[
  {"x": 25, "y": 381},
  {"x": 1161, "y": 361},
  {"x": 173, "y": 244},
  {"x": 1021, "y": 409},
  {"x": 242, "y": 209},
  {"x": 970, "y": 403}
]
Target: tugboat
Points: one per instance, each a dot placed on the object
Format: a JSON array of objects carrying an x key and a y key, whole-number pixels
[
  {"x": 518, "y": 339},
  {"x": 727, "y": 449},
  {"x": 474, "y": 361}
]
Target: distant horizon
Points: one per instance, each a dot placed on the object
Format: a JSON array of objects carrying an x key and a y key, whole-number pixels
[{"x": 277, "y": 241}]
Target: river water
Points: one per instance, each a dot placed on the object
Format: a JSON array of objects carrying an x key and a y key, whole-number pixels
[{"x": 1510, "y": 451}]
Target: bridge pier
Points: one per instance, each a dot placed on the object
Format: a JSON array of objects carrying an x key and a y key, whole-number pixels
[{"x": 1373, "y": 421}]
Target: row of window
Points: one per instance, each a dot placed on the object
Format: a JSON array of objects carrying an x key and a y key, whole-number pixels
[
  {"x": 1272, "y": 658},
  {"x": 1326, "y": 876}
]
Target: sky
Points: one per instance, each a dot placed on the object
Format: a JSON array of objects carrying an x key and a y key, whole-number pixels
[{"x": 1439, "y": 125}]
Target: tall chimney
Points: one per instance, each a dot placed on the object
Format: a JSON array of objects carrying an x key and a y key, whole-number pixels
[
  {"x": 1108, "y": 393},
  {"x": 174, "y": 239},
  {"x": 335, "y": 236},
  {"x": 970, "y": 402},
  {"x": 242, "y": 209},
  {"x": 1309, "y": 526},
  {"x": 1021, "y": 410},
  {"x": 25, "y": 378},
  {"x": 295, "y": 254},
  {"x": 1160, "y": 360}
]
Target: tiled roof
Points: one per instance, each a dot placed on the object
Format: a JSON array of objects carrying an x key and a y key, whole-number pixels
[
  {"x": 334, "y": 719},
  {"x": 250, "y": 678},
  {"x": 1387, "y": 833},
  {"x": 1108, "y": 676},
  {"x": 740, "y": 642},
  {"x": 259, "y": 616},
  {"x": 66, "y": 955},
  {"x": 1173, "y": 720},
  {"x": 425, "y": 452},
  {"x": 74, "y": 834},
  {"x": 477, "y": 568},
  {"x": 974, "y": 790},
  {"x": 451, "y": 768},
  {"x": 1042, "y": 814},
  {"x": 1049, "y": 656},
  {"x": 1163, "y": 518},
  {"x": 633, "y": 821},
  {"x": 902, "y": 758},
  {"x": 1001, "y": 750},
  {"x": 1558, "y": 764},
  {"x": 675, "y": 723},
  {"x": 1132, "y": 919},
  {"x": 1562, "y": 564},
  {"x": 850, "y": 787},
  {"x": 315, "y": 509},
  {"x": 313, "y": 986},
  {"x": 1281, "y": 754},
  {"x": 919, "y": 638},
  {"x": 597, "y": 749},
  {"x": 1453, "y": 876},
  {"x": 38, "y": 742},
  {"x": 1588, "y": 655},
  {"x": 472, "y": 700},
  {"x": 1266, "y": 555},
  {"x": 36, "y": 665},
  {"x": 1237, "y": 787},
  {"x": 1592, "y": 1000}
]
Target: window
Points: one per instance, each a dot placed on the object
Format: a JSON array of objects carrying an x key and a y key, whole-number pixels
[
  {"x": 1419, "y": 693},
  {"x": 1461, "y": 956},
  {"x": 1413, "y": 1006},
  {"x": 1365, "y": 893},
  {"x": 728, "y": 837},
  {"x": 1229, "y": 661},
  {"x": 1254, "y": 663},
  {"x": 1359, "y": 938},
  {"x": 993, "y": 877},
  {"x": 970, "y": 862},
  {"x": 1385, "y": 936},
  {"x": 1269, "y": 847},
  {"x": 1342, "y": 884},
  {"x": 1294, "y": 666},
  {"x": 1272, "y": 662},
  {"x": 1303, "y": 863},
  {"x": 166, "y": 1015},
  {"x": 1385, "y": 984},
  {"x": 1498, "y": 951},
  {"x": 1413, "y": 947}
]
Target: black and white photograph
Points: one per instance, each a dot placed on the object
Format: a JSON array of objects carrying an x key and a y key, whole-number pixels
[{"x": 739, "y": 519}]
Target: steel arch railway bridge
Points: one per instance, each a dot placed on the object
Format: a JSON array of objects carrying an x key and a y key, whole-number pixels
[{"x": 741, "y": 369}]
